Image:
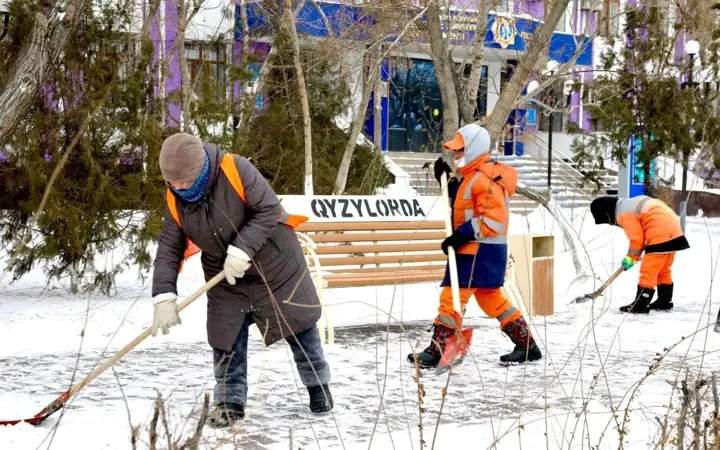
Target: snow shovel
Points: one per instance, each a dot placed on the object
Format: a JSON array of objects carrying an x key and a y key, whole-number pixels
[
  {"x": 59, "y": 402},
  {"x": 458, "y": 344},
  {"x": 596, "y": 294}
]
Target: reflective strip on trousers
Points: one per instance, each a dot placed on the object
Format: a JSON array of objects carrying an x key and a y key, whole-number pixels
[
  {"x": 447, "y": 321},
  {"x": 508, "y": 312}
]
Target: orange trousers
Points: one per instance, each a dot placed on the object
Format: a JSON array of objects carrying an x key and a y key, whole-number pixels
[
  {"x": 655, "y": 268},
  {"x": 492, "y": 302}
]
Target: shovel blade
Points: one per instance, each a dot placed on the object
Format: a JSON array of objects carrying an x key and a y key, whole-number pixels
[{"x": 456, "y": 348}]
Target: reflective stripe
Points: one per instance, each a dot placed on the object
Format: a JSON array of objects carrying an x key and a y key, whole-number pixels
[
  {"x": 446, "y": 320},
  {"x": 494, "y": 225},
  {"x": 494, "y": 240},
  {"x": 638, "y": 208},
  {"x": 467, "y": 195},
  {"x": 508, "y": 312},
  {"x": 476, "y": 228},
  {"x": 634, "y": 252}
]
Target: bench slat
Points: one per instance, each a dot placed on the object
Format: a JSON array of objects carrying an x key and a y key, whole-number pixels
[
  {"x": 384, "y": 259},
  {"x": 357, "y": 281},
  {"x": 386, "y": 269},
  {"x": 378, "y": 248},
  {"x": 371, "y": 237},
  {"x": 368, "y": 226}
]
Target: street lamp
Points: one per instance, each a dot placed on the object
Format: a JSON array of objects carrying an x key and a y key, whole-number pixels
[
  {"x": 692, "y": 48},
  {"x": 552, "y": 65}
]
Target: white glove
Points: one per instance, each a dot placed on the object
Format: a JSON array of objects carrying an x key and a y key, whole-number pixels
[
  {"x": 237, "y": 262},
  {"x": 165, "y": 314}
]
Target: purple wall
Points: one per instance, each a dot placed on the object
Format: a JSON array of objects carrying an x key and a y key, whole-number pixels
[
  {"x": 535, "y": 8},
  {"x": 173, "y": 82}
]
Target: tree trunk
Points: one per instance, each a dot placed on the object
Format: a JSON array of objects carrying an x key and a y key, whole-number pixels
[
  {"x": 443, "y": 71},
  {"x": 302, "y": 93},
  {"x": 184, "y": 71},
  {"x": 472, "y": 83},
  {"x": 538, "y": 44},
  {"x": 48, "y": 39},
  {"x": 356, "y": 128}
]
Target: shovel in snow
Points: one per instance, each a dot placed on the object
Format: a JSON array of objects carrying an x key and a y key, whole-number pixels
[
  {"x": 63, "y": 398},
  {"x": 458, "y": 344},
  {"x": 596, "y": 294}
]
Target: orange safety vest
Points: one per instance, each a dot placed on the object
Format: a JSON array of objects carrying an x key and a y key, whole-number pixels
[
  {"x": 229, "y": 169},
  {"x": 483, "y": 198}
]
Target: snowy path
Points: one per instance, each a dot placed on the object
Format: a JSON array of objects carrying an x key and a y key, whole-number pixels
[{"x": 567, "y": 398}]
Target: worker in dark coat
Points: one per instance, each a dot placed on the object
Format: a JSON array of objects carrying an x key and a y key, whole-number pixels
[{"x": 222, "y": 204}]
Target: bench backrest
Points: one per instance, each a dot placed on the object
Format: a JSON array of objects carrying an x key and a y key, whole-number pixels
[{"x": 378, "y": 253}]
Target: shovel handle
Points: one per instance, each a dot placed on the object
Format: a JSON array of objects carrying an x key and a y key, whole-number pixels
[
  {"x": 607, "y": 283},
  {"x": 452, "y": 262},
  {"x": 141, "y": 337}
]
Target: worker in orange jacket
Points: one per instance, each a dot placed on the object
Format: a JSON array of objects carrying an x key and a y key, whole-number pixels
[
  {"x": 653, "y": 228},
  {"x": 480, "y": 224}
]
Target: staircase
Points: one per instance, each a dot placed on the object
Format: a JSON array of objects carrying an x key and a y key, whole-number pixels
[{"x": 569, "y": 187}]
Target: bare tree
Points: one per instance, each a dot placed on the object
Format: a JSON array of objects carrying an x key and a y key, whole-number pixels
[
  {"x": 539, "y": 43},
  {"x": 370, "y": 76},
  {"x": 50, "y": 34},
  {"x": 302, "y": 93}
]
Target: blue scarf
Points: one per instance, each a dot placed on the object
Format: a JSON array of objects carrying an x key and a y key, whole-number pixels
[{"x": 196, "y": 191}]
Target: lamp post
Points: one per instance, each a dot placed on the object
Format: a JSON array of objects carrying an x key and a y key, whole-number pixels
[
  {"x": 692, "y": 48},
  {"x": 551, "y": 67}
]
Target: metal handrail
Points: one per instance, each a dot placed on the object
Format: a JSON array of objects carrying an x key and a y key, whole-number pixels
[{"x": 543, "y": 146}]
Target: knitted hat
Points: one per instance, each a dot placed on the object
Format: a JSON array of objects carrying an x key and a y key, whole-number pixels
[
  {"x": 603, "y": 209},
  {"x": 181, "y": 157}
]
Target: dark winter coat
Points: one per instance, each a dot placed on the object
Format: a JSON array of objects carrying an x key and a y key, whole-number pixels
[{"x": 277, "y": 289}]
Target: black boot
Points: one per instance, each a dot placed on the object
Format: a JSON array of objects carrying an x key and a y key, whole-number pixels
[
  {"x": 641, "y": 303},
  {"x": 664, "y": 298},
  {"x": 430, "y": 357},
  {"x": 525, "y": 347},
  {"x": 321, "y": 400},
  {"x": 224, "y": 414}
]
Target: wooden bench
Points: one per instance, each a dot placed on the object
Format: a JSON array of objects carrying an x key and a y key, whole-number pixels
[{"x": 355, "y": 254}]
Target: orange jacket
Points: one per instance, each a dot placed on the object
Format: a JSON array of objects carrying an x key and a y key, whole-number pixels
[
  {"x": 482, "y": 198},
  {"x": 648, "y": 223}
]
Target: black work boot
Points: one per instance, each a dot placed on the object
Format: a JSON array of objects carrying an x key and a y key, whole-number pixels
[
  {"x": 224, "y": 414},
  {"x": 321, "y": 400},
  {"x": 525, "y": 347},
  {"x": 664, "y": 298},
  {"x": 430, "y": 357},
  {"x": 641, "y": 303}
]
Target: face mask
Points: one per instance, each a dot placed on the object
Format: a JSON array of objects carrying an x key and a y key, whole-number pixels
[{"x": 460, "y": 163}]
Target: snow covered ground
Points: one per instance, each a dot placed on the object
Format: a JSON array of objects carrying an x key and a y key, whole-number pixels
[{"x": 592, "y": 379}]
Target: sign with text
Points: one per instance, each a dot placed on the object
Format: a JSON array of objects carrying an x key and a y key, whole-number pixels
[{"x": 361, "y": 208}]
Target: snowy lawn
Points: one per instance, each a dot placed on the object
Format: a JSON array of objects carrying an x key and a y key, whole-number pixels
[{"x": 591, "y": 384}]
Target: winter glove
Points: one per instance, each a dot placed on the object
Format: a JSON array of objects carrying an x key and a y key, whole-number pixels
[
  {"x": 165, "y": 314},
  {"x": 237, "y": 262},
  {"x": 440, "y": 167},
  {"x": 454, "y": 240},
  {"x": 627, "y": 263}
]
